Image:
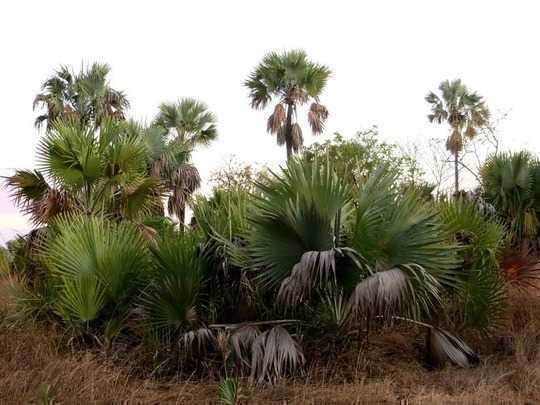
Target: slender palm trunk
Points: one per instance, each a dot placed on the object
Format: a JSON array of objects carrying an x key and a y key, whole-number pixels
[
  {"x": 288, "y": 131},
  {"x": 456, "y": 172}
]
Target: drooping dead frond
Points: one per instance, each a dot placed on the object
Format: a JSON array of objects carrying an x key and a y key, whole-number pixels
[
  {"x": 297, "y": 138},
  {"x": 470, "y": 132},
  {"x": 314, "y": 268},
  {"x": 442, "y": 347},
  {"x": 317, "y": 116},
  {"x": 380, "y": 293},
  {"x": 242, "y": 340},
  {"x": 296, "y": 95},
  {"x": 277, "y": 119},
  {"x": 274, "y": 354},
  {"x": 521, "y": 270},
  {"x": 454, "y": 143},
  {"x": 188, "y": 178},
  {"x": 281, "y": 135},
  {"x": 197, "y": 339}
]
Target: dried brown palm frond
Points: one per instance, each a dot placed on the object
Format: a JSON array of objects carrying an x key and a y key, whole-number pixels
[
  {"x": 281, "y": 135},
  {"x": 274, "y": 354},
  {"x": 196, "y": 340},
  {"x": 297, "y": 138},
  {"x": 317, "y": 116},
  {"x": 444, "y": 347},
  {"x": 55, "y": 202},
  {"x": 314, "y": 268},
  {"x": 454, "y": 143},
  {"x": 470, "y": 132},
  {"x": 276, "y": 119},
  {"x": 381, "y": 293},
  {"x": 188, "y": 178},
  {"x": 241, "y": 341},
  {"x": 521, "y": 269},
  {"x": 296, "y": 95}
]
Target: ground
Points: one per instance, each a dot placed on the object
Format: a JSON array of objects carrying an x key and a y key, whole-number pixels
[{"x": 35, "y": 368}]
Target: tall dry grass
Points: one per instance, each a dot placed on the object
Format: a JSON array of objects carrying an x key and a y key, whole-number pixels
[{"x": 36, "y": 366}]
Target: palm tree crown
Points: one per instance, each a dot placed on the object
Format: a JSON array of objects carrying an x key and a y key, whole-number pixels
[
  {"x": 463, "y": 110},
  {"x": 179, "y": 128},
  {"x": 86, "y": 96},
  {"x": 293, "y": 80}
]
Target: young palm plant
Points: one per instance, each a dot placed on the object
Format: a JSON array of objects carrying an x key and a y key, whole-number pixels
[
  {"x": 463, "y": 110},
  {"x": 293, "y": 80}
]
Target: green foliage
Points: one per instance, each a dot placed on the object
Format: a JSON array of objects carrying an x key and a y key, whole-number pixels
[
  {"x": 169, "y": 302},
  {"x": 228, "y": 391},
  {"x": 356, "y": 158},
  {"x": 295, "y": 214},
  {"x": 511, "y": 183},
  {"x": 482, "y": 291},
  {"x": 97, "y": 266}
]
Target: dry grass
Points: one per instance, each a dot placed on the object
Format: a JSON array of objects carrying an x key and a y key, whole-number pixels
[{"x": 387, "y": 371}]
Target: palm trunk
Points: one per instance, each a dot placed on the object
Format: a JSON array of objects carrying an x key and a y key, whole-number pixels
[
  {"x": 288, "y": 132},
  {"x": 456, "y": 172}
]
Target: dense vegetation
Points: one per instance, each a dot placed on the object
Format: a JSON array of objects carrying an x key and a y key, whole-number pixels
[{"x": 344, "y": 239}]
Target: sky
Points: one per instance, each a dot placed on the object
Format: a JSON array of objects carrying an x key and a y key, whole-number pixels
[{"x": 385, "y": 56}]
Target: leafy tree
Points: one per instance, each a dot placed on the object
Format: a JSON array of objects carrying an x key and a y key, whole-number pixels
[
  {"x": 293, "y": 80},
  {"x": 86, "y": 97},
  {"x": 463, "y": 110},
  {"x": 355, "y": 159}
]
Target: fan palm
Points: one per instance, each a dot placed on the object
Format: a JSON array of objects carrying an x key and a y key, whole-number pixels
[
  {"x": 388, "y": 253},
  {"x": 186, "y": 125},
  {"x": 480, "y": 303},
  {"x": 97, "y": 266},
  {"x": 511, "y": 183},
  {"x": 86, "y": 97},
  {"x": 463, "y": 110},
  {"x": 169, "y": 302},
  {"x": 88, "y": 170},
  {"x": 294, "y": 80}
]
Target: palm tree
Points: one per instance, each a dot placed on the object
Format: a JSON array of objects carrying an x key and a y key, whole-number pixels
[
  {"x": 89, "y": 171},
  {"x": 463, "y": 110},
  {"x": 293, "y": 80},
  {"x": 86, "y": 97},
  {"x": 184, "y": 125}
]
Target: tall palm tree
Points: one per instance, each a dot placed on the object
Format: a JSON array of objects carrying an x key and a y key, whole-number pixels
[
  {"x": 465, "y": 111},
  {"x": 293, "y": 80},
  {"x": 178, "y": 129},
  {"x": 86, "y": 97}
]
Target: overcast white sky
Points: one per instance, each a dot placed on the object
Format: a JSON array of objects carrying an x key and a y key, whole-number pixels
[{"x": 385, "y": 56}]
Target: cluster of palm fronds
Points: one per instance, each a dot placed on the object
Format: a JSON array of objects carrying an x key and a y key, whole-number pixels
[{"x": 301, "y": 253}]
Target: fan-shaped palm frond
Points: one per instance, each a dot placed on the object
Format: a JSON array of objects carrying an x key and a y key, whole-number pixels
[
  {"x": 85, "y": 97},
  {"x": 97, "y": 265},
  {"x": 510, "y": 182},
  {"x": 191, "y": 119},
  {"x": 169, "y": 303},
  {"x": 274, "y": 354}
]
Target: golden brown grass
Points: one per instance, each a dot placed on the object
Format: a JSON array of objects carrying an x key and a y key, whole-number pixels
[{"x": 386, "y": 371}]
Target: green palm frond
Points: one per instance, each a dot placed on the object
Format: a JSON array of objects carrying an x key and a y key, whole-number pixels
[
  {"x": 96, "y": 264},
  {"x": 170, "y": 301},
  {"x": 295, "y": 214}
]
